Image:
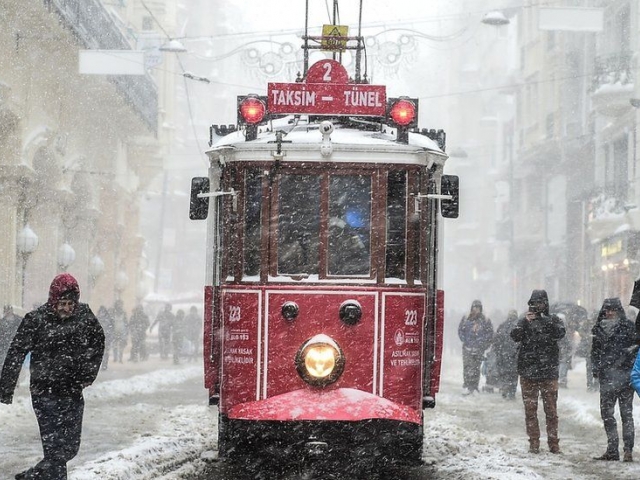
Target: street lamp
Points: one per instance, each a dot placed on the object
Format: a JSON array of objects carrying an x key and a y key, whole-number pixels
[
  {"x": 96, "y": 267},
  {"x": 27, "y": 242},
  {"x": 173, "y": 46},
  {"x": 66, "y": 256},
  {"x": 121, "y": 282},
  {"x": 495, "y": 18}
]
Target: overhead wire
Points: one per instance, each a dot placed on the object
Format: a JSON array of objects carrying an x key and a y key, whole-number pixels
[{"x": 186, "y": 87}]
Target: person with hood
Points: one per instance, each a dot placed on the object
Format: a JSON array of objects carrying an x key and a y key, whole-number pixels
[
  {"x": 612, "y": 356},
  {"x": 476, "y": 333},
  {"x": 538, "y": 333},
  {"x": 506, "y": 354},
  {"x": 66, "y": 343}
]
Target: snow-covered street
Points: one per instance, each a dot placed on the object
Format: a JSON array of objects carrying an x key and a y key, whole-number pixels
[{"x": 151, "y": 421}]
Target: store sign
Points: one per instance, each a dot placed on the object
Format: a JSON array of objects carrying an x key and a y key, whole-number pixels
[{"x": 610, "y": 249}]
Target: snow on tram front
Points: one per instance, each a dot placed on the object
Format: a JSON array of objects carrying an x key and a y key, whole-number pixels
[{"x": 323, "y": 312}]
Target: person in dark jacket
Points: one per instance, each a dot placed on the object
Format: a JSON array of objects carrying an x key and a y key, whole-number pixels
[
  {"x": 476, "y": 334},
  {"x": 8, "y": 327},
  {"x": 138, "y": 325},
  {"x": 66, "y": 343},
  {"x": 538, "y": 359},
  {"x": 507, "y": 353},
  {"x": 612, "y": 356},
  {"x": 165, "y": 321}
]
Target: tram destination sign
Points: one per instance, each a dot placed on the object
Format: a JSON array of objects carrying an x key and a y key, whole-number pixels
[{"x": 327, "y": 99}]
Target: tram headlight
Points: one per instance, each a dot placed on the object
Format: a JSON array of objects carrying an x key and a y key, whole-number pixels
[{"x": 320, "y": 361}]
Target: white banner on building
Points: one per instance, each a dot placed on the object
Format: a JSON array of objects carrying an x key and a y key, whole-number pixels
[
  {"x": 111, "y": 62},
  {"x": 574, "y": 19}
]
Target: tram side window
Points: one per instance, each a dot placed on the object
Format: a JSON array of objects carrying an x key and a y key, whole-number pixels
[
  {"x": 349, "y": 251},
  {"x": 252, "y": 225},
  {"x": 298, "y": 224},
  {"x": 396, "y": 225}
]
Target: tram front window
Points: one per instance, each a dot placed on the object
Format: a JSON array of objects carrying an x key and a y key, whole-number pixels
[
  {"x": 349, "y": 251},
  {"x": 298, "y": 224}
]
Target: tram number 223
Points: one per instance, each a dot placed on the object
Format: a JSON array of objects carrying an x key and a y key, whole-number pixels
[{"x": 411, "y": 318}]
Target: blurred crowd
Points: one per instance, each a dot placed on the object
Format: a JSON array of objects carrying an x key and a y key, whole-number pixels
[{"x": 179, "y": 335}]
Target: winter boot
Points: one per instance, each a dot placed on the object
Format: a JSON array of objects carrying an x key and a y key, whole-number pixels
[
  {"x": 534, "y": 446},
  {"x": 554, "y": 446},
  {"x": 608, "y": 456},
  {"x": 628, "y": 457}
]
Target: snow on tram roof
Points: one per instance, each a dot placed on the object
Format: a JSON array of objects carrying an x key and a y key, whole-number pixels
[{"x": 309, "y": 133}]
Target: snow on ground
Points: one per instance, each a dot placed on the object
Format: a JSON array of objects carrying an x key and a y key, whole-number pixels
[{"x": 153, "y": 423}]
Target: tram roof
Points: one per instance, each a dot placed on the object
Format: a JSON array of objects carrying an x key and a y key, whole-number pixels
[{"x": 304, "y": 134}]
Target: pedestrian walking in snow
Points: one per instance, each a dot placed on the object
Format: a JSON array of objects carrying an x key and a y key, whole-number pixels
[
  {"x": 66, "y": 343},
  {"x": 120, "y": 330},
  {"x": 165, "y": 321},
  {"x": 584, "y": 349},
  {"x": 9, "y": 324},
  {"x": 507, "y": 356},
  {"x": 178, "y": 336},
  {"x": 138, "y": 325},
  {"x": 106, "y": 321},
  {"x": 612, "y": 356},
  {"x": 538, "y": 360},
  {"x": 476, "y": 333},
  {"x": 193, "y": 324}
]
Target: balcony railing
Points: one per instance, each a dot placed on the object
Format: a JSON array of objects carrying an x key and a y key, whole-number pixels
[{"x": 94, "y": 27}]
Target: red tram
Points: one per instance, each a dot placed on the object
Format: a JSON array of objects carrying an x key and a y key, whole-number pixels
[{"x": 323, "y": 313}]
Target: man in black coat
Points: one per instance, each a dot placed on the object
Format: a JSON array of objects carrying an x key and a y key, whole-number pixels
[
  {"x": 538, "y": 359},
  {"x": 613, "y": 353},
  {"x": 66, "y": 343}
]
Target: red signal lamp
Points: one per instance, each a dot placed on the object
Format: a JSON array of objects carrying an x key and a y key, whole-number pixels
[
  {"x": 403, "y": 112},
  {"x": 252, "y": 110}
]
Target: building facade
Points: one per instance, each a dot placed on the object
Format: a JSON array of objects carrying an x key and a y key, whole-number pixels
[{"x": 76, "y": 151}]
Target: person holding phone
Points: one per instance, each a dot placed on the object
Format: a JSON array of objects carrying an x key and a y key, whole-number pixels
[{"x": 538, "y": 333}]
